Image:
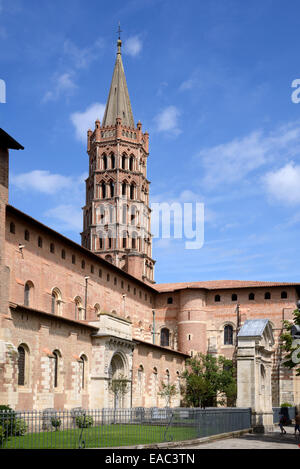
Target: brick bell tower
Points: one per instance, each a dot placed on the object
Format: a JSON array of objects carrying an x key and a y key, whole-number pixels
[{"x": 116, "y": 215}]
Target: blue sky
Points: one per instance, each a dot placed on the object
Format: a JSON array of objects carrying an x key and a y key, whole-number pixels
[{"x": 211, "y": 82}]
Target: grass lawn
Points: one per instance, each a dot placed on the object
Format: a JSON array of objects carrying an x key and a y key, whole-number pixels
[{"x": 102, "y": 436}]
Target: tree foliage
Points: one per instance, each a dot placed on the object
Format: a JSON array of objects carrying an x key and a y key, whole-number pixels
[
  {"x": 167, "y": 392},
  {"x": 209, "y": 381},
  {"x": 291, "y": 345}
]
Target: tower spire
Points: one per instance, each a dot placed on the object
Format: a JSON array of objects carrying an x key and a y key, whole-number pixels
[{"x": 118, "y": 104}]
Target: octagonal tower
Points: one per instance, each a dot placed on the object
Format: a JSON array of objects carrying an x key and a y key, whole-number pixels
[{"x": 116, "y": 215}]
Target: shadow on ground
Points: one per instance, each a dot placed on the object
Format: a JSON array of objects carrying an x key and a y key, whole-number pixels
[{"x": 274, "y": 437}]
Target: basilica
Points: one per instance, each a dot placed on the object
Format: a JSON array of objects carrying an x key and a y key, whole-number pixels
[{"x": 74, "y": 318}]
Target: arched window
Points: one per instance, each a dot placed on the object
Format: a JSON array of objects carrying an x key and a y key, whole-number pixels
[
  {"x": 97, "y": 310},
  {"x": 124, "y": 188},
  {"x": 124, "y": 244},
  {"x": 103, "y": 187},
  {"x": 124, "y": 214},
  {"x": 133, "y": 211},
  {"x": 83, "y": 362},
  {"x": 132, "y": 191},
  {"x": 26, "y": 235},
  {"x": 228, "y": 335},
  {"x": 234, "y": 297},
  {"x": 267, "y": 295},
  {"x": 167, "y": 377},
  {"x": 104, "y": 158},
  {"x": 251, "y": 296},
  {"x": 170, "y": 300},
  {"x": 101, "y": 243},
  {"x": 78, "y": 308},
  {"x": 283, "y": 295},
  {"x": 63, "y": 254},
  {"x": 131, "y": 163},
  {"x": 83, "y": 264},
  {"x": 56, "y": 356},
  {"x": 21, "y": 365},
  {"x": 110, "y": 240},
  {"x": 52, "y": 248},
  {"x": 112, "y": 189},
  {"x": 154, "y": 386},
  {"x": 124, "y": 161},
  {"x": 164, "y": 337},
  {"x": 133, "y": 241},
  {"x": 40, "y": 242},
  {"x": 112, "y": 160},
  {"x": 28, "y": 291},
  {"x": 56, "y": 301},
  {"x": 217, "y": 298},
  {"x": 12, "y": 228},
  {"x": 140, "y": 380}
]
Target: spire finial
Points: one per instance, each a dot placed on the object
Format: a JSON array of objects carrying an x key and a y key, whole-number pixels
[
  {"x": 119, "y": 43},
  {"x": 119, "y": 31}
]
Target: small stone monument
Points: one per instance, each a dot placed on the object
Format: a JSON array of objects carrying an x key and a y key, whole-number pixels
[{"x": 254, "y": 364}]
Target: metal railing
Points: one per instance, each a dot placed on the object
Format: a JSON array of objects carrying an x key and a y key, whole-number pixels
[
  {"x": 288, "y": 412},
  {"x": 103, "y": 428}
]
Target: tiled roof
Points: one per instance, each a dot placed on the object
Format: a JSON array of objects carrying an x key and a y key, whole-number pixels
[{"x": 220, "y": 285}]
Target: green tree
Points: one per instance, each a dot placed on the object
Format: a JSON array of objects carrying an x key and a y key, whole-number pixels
[
  {"x": 119, "y": 387},
  {"x": 167, "y": 391},
  {"x": 208, "y": 381},
  {"x": 290, "y": 344}
]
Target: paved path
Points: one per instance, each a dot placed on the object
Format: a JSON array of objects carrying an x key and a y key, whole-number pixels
[{"x": 254, "y": 441}]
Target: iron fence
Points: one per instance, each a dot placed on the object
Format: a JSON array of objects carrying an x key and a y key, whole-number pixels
[{"x": 103, "y": 428}]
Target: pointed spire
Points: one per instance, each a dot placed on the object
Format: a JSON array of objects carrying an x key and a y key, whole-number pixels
[{"x": 118, "y": 103}]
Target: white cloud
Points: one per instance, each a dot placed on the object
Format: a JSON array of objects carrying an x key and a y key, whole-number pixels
[
  {"x": 84, "y": 120},
  {"x": 133, "y": 46},
  {"x": 231, "y": 162},
  {"x": 167, "y": 120},
  {"x": 73, "y": 58},
  {"x": 62, "y": 85},
  {"x": 41, "y": 181},
  {"x": 283, "y": 185},
  {"x": 66, "y": 216},
  {"x": 82, "y": 57},
  {"x": 188, "y": 84}
]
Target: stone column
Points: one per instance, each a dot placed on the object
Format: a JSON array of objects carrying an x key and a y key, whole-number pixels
[{"x": 254, "y": 354}]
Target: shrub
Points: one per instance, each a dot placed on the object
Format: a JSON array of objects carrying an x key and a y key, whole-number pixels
[
  {"x": 84, "y": 421},
  {"x": 7, "y": 422},
  {"x": 20, "y": 427},
  {"x": 56, "y": 423},
  {"x": 286, "y": 404},
  {"x": 2, "y": 436}
]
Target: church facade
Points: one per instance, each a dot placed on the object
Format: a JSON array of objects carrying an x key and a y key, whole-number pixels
[{"x": 77, "y": 319}]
